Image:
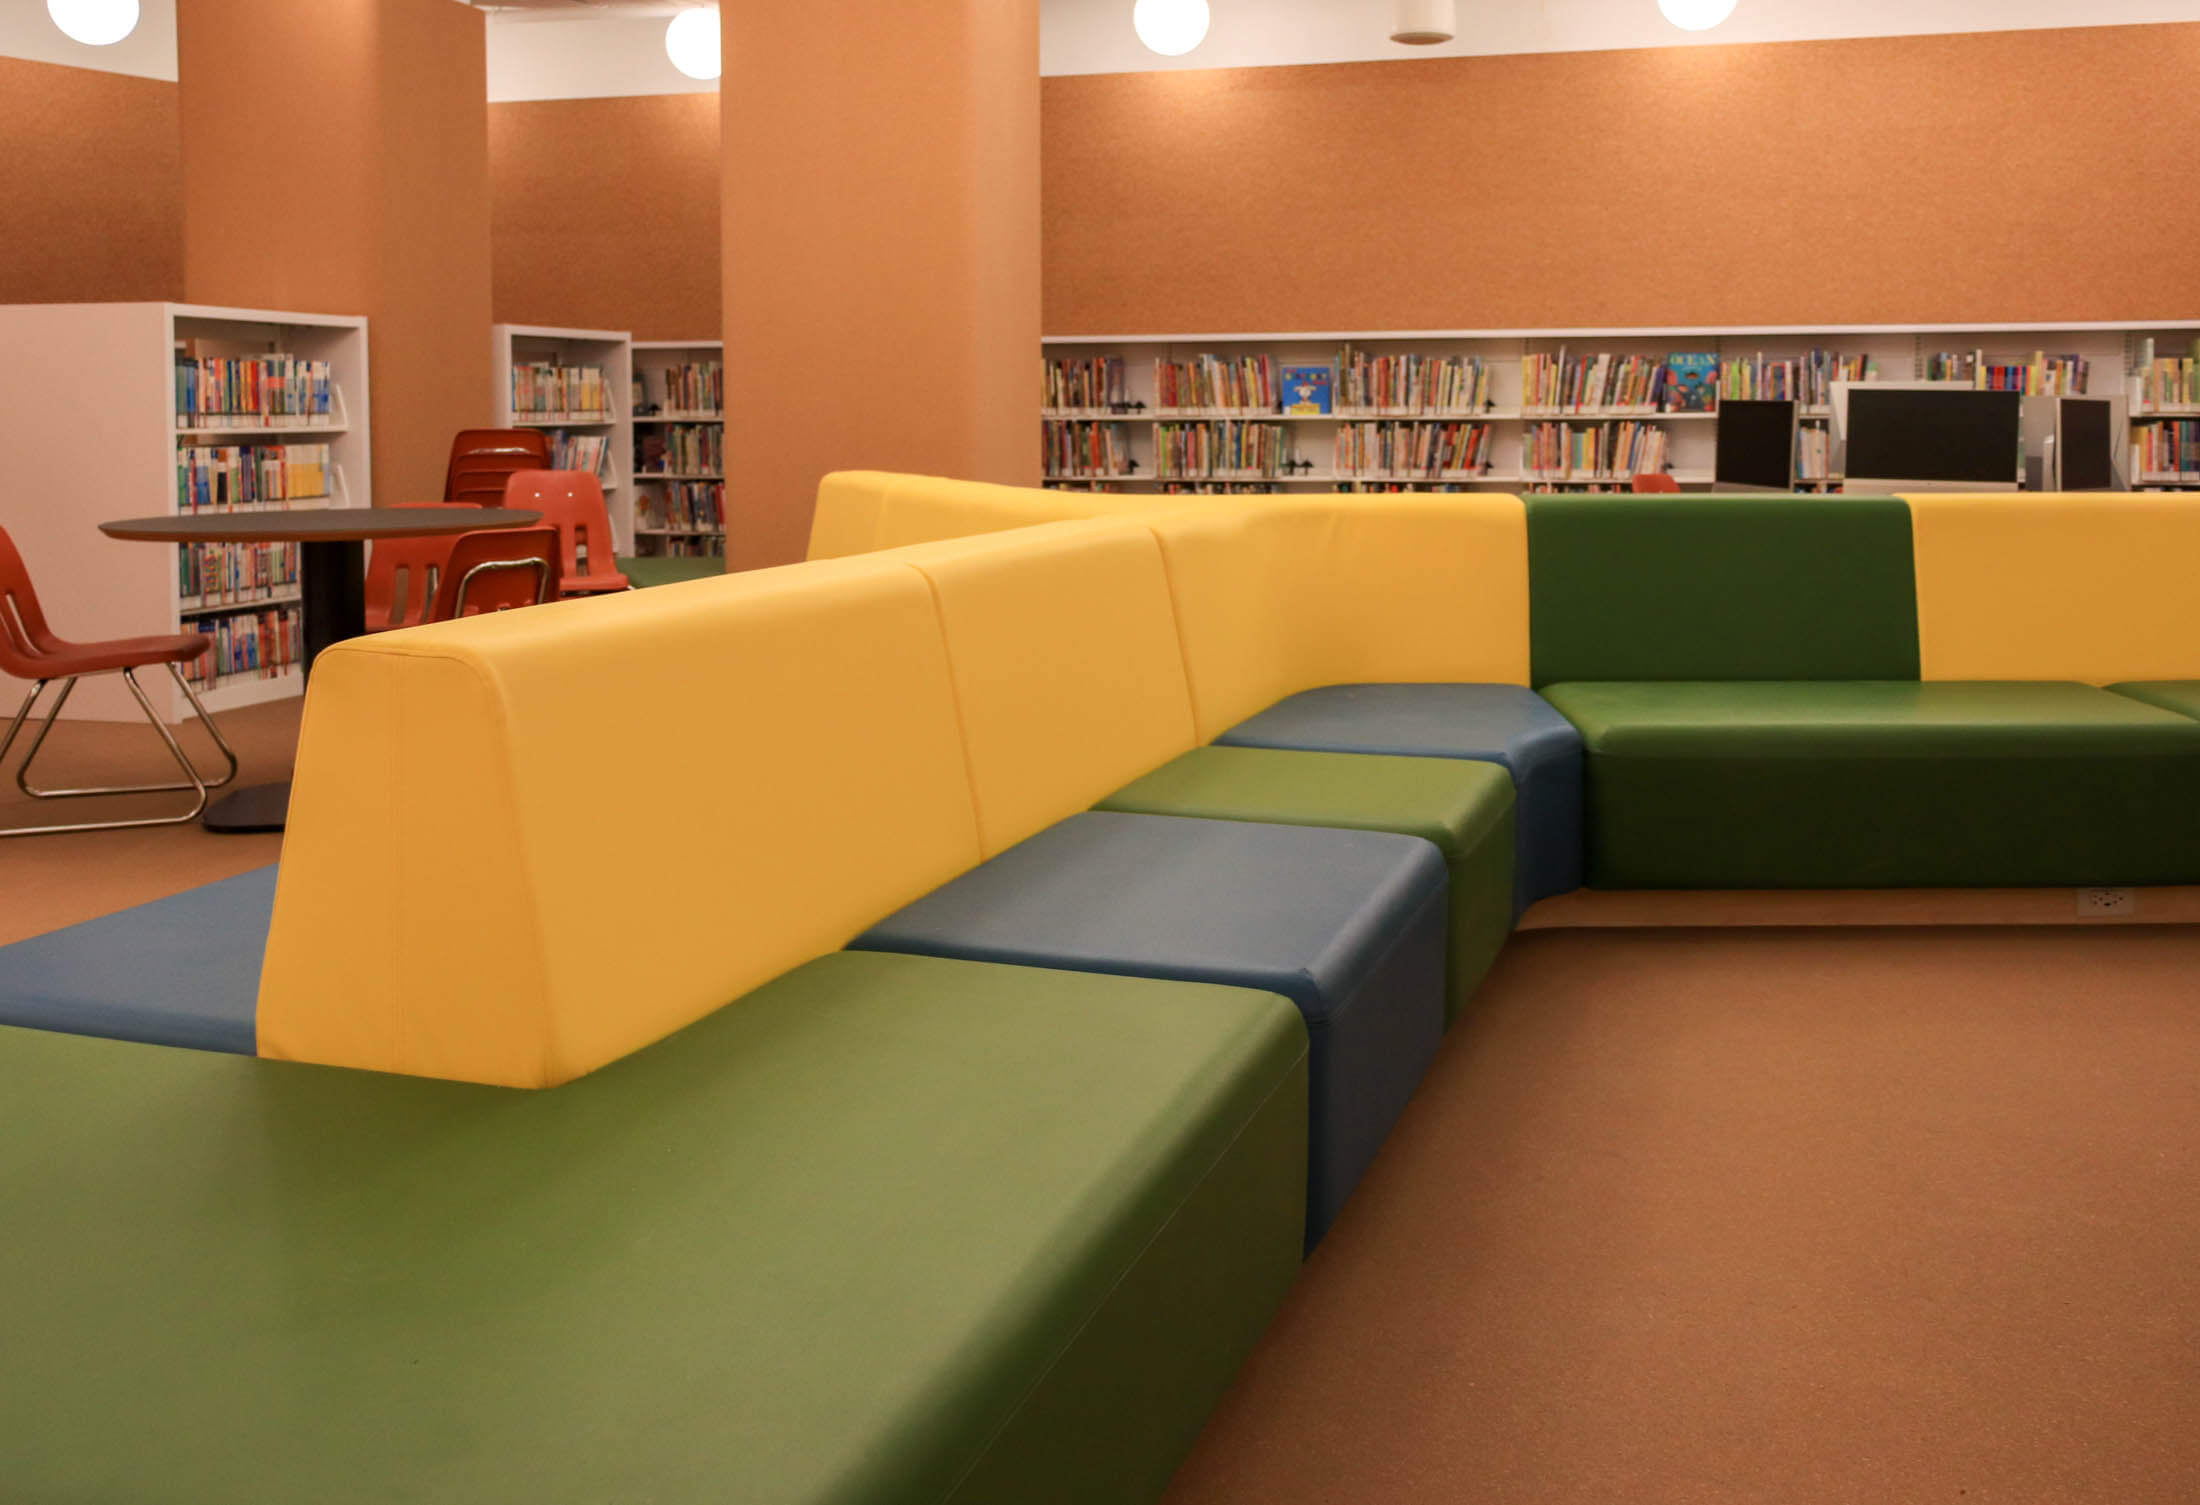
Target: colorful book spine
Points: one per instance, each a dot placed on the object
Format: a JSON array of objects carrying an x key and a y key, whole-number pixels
[
  {"x": 247, "y": 645},
  {"x": 1411, "y": 385},
  {"x": 1596, "y": 451},
  {"x": 1385, "y": 450},
  {"x": 1080, "y": 448},
  {"x": 1217, "y": 385},
  {"x": 544, "y": 389},
  {"x": 696, "y": 387},
  {"x": 1086, "y": 384},
  {"x": 241, "y": 391},
  {"x": 1221, "y": 451}
]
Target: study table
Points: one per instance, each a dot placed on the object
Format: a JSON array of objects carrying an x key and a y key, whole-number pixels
[{"x": 332, "y": 589}]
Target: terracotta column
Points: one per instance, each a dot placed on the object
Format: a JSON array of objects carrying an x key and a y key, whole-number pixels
[
  {"x": 336, "y": 160},
  {"x": 881, "y": 250}
]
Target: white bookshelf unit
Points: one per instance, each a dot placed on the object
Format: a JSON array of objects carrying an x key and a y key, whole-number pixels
[
  {"x": 679, "y": 465},
  {"x": 608, "y": 351},
  {"x": 1298, "y": 451},
  {"x": 90, "y": 420}
]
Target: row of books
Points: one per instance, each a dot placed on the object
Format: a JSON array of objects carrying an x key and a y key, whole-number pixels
[
  {"x": 1065, "y": 483},
  {"x": 218, "y": 574},
  {"x": 578, "y": 451},
  {"x": 218, "y": 390},
  {"x": 695, "y": 387},
  {"x": 686, "y": 449},
  {"x": 1807, "y": 379},
  {"x": 1224, "y": 449},
  {"x": 1217, "y": 384},
  {"x": 2171, "y": 448},
  {"x": 1559, "y": 383},
  {"x": 544, "y": 388},
  {"x": 690, "y": 506},
  {"x": 2043, "y": 375},
  {"x": 1594, "y": 449},
  {"x": 1218, "y": 488},
  {"x": 249, "y": 477},
  {"x": 1420, "y": 448},
  {"x": 262, "y": 644},
  {"x": 1435, "y": 384},
  {"x": 2168, "y": 381},
  {"x": 697, "y": 546},
  {"x": 1086, "y": 382},
  {"x": 1074, "y": 448},
  {"x": 1393, "y": 487}
]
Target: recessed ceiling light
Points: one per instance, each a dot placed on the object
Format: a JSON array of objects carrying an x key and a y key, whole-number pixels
[
  {"x": 1696, "y": 15},
  {"x": 691, "y": 41},
  {"x": 95, "y": 23},
  {"x": 1170, "y": 27}
]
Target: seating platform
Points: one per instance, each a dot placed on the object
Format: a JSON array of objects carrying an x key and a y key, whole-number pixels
[
  {"x": 1348, "y": 925},
  {"x": 888, "y": 1229},
  {"x": 184, "y": 970},
  {"x": 1465, "y": 808}
]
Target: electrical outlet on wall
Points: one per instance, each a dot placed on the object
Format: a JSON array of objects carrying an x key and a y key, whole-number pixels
[{"x": 2107, "y": 903}]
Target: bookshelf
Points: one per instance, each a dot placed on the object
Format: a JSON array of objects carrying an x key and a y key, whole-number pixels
[
  {"x": 89, "y": 416},
  {"x": 583, "y": 407},
  {"x": 679, "y": 457},
  {"x": 1554, "y": 409}
]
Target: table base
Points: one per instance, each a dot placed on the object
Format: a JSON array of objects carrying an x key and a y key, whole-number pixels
[{"x": 257, "y": 807}]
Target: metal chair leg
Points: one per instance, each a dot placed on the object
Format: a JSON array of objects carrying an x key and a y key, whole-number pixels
[{"x": 196, "y": 785}]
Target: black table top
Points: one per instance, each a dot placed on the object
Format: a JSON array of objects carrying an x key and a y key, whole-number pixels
[{"x": 317, "y": 525}]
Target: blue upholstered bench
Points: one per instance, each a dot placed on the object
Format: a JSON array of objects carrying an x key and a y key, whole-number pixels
[
  {"x": 184, "y": 970},
  {"x": 1349, "y": 925}
]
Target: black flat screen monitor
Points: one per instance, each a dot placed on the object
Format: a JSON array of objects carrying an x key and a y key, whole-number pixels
[
  {"x": 1949, "y": 435},
  {"x": 1756, "y": 445},
  {"x": 2082, "y": 445}
]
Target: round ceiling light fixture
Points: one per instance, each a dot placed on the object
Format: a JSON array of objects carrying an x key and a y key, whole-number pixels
[
  {"x": 1424, "y": 23},
  {"x": 95, "y": 23},
  {"x": 691, "y": 41},
  {"x": 1696, "y": 15},
  {"x": 1170, "y": 27}
]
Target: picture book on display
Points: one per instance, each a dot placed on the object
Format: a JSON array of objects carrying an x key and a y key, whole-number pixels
[
  {"x": 1306, "y": 390},
  {"x": 1695, "y": 387}
]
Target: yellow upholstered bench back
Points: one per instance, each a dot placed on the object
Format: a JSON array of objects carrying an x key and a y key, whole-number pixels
[
  {"x": 2096, "y": 587},
  {"x": 1275, "y": 596},
  {"x": 522, "y": 846},
  {"x": 1068, "y": 673}
]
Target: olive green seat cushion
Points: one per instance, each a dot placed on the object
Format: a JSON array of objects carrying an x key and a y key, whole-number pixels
[
  {"x": 1883, "y": 784},
  {"x": 2179, "y": 695},
  {"x": 889, "y": 1229},
  {"x": 1465, "y": 808},
  {"x": 655, "y": 569}
]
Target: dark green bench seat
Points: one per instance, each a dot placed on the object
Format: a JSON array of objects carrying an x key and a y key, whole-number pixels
[
  {"x": 1868, "y": 784},
  {"x": 889, "y": 1229}
]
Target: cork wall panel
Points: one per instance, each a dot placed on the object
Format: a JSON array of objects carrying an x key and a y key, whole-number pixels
[
  {"x": 604, "y": 214},
  {"x": 90, "y": 179},
  {"x": 2010, "y": 176}
]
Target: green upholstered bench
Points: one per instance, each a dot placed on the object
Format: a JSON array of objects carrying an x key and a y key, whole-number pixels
[
  {"x": 1465, "y": 808},
  {"x": 1865, "y": 784},
  {"x": 890, "y": 1229}
]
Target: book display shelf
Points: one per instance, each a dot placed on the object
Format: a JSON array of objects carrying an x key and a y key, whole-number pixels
[
  {"x": 117, "y": 410},
  {"x": 573, "y": 384},
  {"x": 679, "y": 419},
  {"x": 1527, "y": 410}
]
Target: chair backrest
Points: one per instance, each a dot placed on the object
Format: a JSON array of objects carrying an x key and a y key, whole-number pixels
[
  {"x": 496, "y": 569},
  {"x": 403, "y": 573},
  {"x": 1655, "y": 480},
  {"x": 483, "y": 459},
  {"x": 23, "y": 632},
  {"x": 572, "y": 502}
]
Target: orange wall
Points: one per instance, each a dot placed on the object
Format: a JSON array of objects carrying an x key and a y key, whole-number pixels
[
  {"x": 604, "y": 214},
  {"x": 2003, "y": 177},
  {"x": 380, "y": 209},
  {"x": 881, "y": 250},
  {"x": 89, "y": 186}
]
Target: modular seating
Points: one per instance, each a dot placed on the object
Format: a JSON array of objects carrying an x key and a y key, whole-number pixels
[{"x": 759, "y": 1214}]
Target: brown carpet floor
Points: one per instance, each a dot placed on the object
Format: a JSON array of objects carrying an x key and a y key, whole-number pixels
[
  {"x": 1765, "y": 1216},
  {"x": 47, "y": 882}
]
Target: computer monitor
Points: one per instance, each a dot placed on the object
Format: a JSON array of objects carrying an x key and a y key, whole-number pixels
[
  {"x": 1925, "y": 437},
  {"x": 1756, "y": 445},
  {"x": 2085, "y": 444}
]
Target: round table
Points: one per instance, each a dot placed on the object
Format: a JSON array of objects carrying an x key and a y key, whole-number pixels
[{"x": 332, "y": 589}]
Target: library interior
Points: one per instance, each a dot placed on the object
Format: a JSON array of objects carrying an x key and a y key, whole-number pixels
[{"x": 1545, "y": 849}]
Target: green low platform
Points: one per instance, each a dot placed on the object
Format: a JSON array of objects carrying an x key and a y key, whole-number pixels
[
  {"x": 1877, "y": 785},
  {"x": 2179, "y": 695},
  {"x": 1465, "y": 808},
  {"x": 655, "y": 569},
  {"x": 891, "y": 1229}
]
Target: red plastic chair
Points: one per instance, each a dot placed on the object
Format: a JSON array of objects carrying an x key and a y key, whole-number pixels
[
  {"x": 29, "y": 650},
  {"x": 572, "y": 501},
  {"x": 483, "y": 459},
  {"x": 1656, "y": 480},
  {"x": 402, "y": 575},
  {"x": 497, "y": 569}
]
